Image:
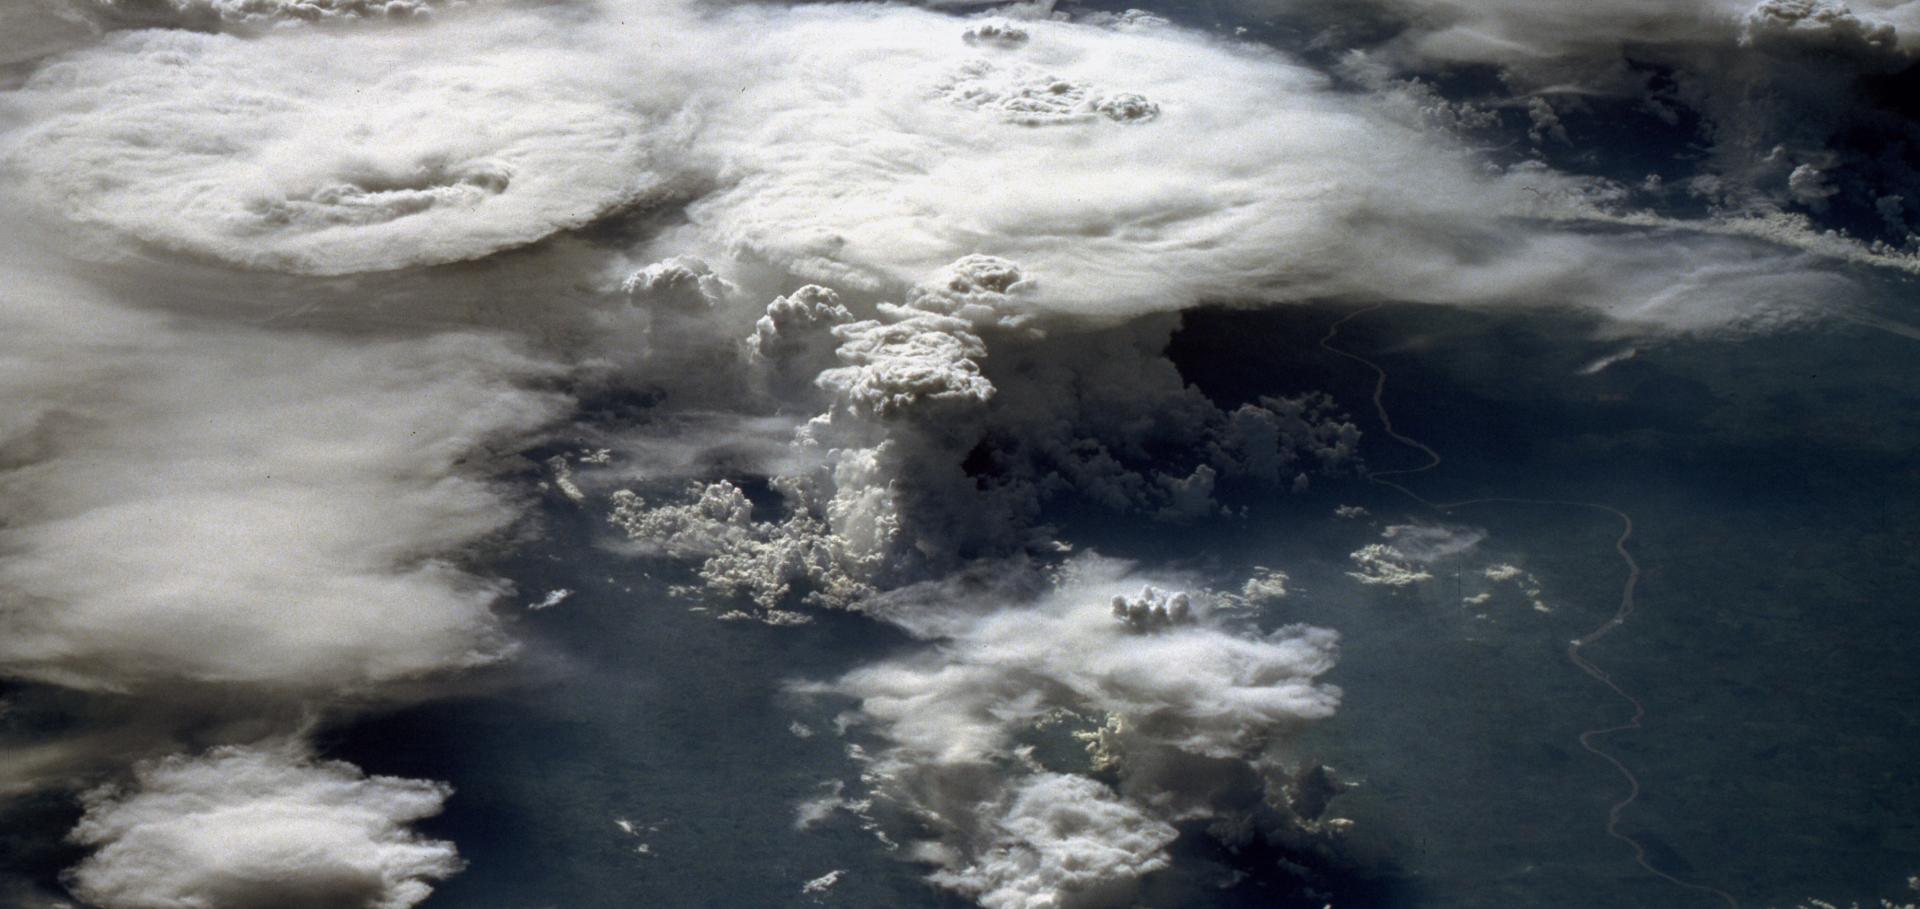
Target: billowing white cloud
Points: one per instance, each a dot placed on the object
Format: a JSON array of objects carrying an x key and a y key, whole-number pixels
[
  {"x": 1063, "y": 841},
  {"x": 1165, "y": 692},
  {"x": 921, "y": 359},
  {"x": 258, "y": 827},
  {"x": 794, "y": 339}
]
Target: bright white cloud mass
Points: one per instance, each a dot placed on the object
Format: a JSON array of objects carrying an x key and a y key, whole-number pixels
[
  {"x": 256, "y": 828},
  {"x": 292, "y": 292}
]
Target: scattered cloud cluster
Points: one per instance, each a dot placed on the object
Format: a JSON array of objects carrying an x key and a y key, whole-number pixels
[
  {"x": 1525, "y": 581},
  {"x": 1409, "y": 550}
]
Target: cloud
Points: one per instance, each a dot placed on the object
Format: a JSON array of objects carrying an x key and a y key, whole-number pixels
[
  {"x": 233, "y": 506},
  {"x": 341, "y": 272},
  {"x": 1062, "y": 841},
  {"x": 1382, "y": 565},
  {"x": 794, "y": 341},
  {"x": 35, "y": 28},
  {"x": 1164, "y": 691},
  {"x": 760, "y": 560},
  {"x": 1766, "y": 88},
  {"x": 257, "y": 827},
  {"x": 940, "y": 138},
  {"x": 1031, "y": 97},
  {"x": 865, "y": 150},
  {"x": 1429, "y": 543},
  {"x": 1826, "y": 23},
  {"x": 330, "y": 153},
  {"x": 947, "y": 424},
  {"x": 916, "y": 361},
  {"x": 823, "y": 883},
  {"x": 553, "y": 598},
  {"x": 1411, "y": 549}
]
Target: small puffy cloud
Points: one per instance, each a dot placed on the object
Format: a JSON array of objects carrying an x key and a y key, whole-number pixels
[
  {"x": 1528, "y": 584},
  {"x": 1501, "y": 572},
  {"x": 259, "y": 827},
  {"x": 563, "y": 479},
  {"x": 1265, "y": 585},
  {"x": 1153, "y": 610},
  {"x": 1808, "y": 185},
  {"x": 1382, "y": 565},
  {"x": 553, "y": 598},
  {"x": 795, "y": 338},
  {"x": 683, "y": 284},
  {"x": 1429, "y": 543},
  {"x": 823, "y": 883}
]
